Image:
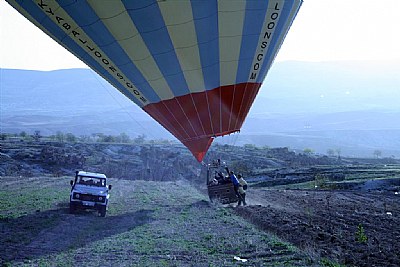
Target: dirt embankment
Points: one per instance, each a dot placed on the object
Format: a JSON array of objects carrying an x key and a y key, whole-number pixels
[{"x": 353, "y": 228}]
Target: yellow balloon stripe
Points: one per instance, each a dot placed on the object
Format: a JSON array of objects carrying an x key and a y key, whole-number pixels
[
  {"x": 115, "y": 17},
  {"x": 230, "y": 25},
  {"x": 178, "y": 18}
]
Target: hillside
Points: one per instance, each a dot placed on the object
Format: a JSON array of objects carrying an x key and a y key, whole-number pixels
[
  {"x": 150, "y": 160},
  {"x": 324, "y": 105}
]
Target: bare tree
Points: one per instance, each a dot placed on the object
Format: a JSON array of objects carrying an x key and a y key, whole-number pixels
[
  {"x": 338, "y": 152},
  {"x": 36, "y": 136},
  {"x": 60, "y": 136},
  {"x": 377, "y": 153}
]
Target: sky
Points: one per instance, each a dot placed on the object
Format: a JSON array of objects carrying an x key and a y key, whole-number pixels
[{"x": 324, "y": 30}]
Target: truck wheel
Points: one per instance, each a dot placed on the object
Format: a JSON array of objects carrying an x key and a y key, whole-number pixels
[{"x": 102, "y": 211}]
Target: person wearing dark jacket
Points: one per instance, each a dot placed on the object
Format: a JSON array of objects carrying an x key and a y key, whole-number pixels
[{"x": 235, "y": 182}]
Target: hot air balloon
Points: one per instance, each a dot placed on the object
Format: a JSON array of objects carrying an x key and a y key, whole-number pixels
[{"x": 194, "y": 66}]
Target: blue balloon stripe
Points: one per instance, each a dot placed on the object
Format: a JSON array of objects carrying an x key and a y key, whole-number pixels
[
  {"x": 100, "y": 35},
  {"x": 253, "y": 23},
  {"x": 37, "y": 13},
  {"x": 87, "y": 19},
  {"x": 205, "y": 15},
  {"x": 150, "y": 24},
  {"x": 280, "y": 29}
]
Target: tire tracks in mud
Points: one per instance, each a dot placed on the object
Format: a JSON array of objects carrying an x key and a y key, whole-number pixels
[
  {"x": 328, "y": 223},
  {"x": 65, "y": 235},
  {"x": 67, "y": 231}
]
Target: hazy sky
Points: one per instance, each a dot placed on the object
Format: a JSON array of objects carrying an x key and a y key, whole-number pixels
[{"x": 324, "y": 30}]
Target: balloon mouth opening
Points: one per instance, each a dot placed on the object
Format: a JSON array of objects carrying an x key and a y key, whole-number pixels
[
  {"x": 223, "y": 111},
  {"x": 200, "y": 145}
]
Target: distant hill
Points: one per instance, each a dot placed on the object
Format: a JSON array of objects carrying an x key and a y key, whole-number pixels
[
  {"x": 351, "y": 106},
  {"x": 73, "y": 100},
  {"x": 329, "y": 87}
]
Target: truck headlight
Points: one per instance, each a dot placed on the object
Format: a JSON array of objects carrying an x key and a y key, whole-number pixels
[
  {"x": 100, "y": 198},
  {"x": 77, "y": 195}
]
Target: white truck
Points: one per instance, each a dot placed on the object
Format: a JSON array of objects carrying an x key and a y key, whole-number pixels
[{"x": 89, "y": 191}]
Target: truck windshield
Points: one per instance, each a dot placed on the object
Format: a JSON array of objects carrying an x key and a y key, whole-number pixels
[{"x": 92, "y": 181}]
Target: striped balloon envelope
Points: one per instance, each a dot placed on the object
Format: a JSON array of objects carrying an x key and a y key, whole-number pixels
[{"x": 194, "y": 66}]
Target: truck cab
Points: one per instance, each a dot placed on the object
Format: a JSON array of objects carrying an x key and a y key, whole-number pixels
[{"x": 89, "y": 191}]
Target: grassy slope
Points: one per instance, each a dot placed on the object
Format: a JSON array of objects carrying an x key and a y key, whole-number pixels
[{"x": 148, "y": 224}]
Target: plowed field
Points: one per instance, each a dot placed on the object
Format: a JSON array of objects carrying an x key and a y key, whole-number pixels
[{"x": 353, "y": 228}]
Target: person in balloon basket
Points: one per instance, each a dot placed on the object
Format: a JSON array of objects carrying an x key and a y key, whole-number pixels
[
  {"x": 235, "y": 182},
  {"x": 242, "y": 190}
]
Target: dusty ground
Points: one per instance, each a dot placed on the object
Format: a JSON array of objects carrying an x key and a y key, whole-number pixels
[
  {"x": 173, "y": 224},
  {"x": 356, "y": 229},
  {"x": 148, "y": 224}
]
